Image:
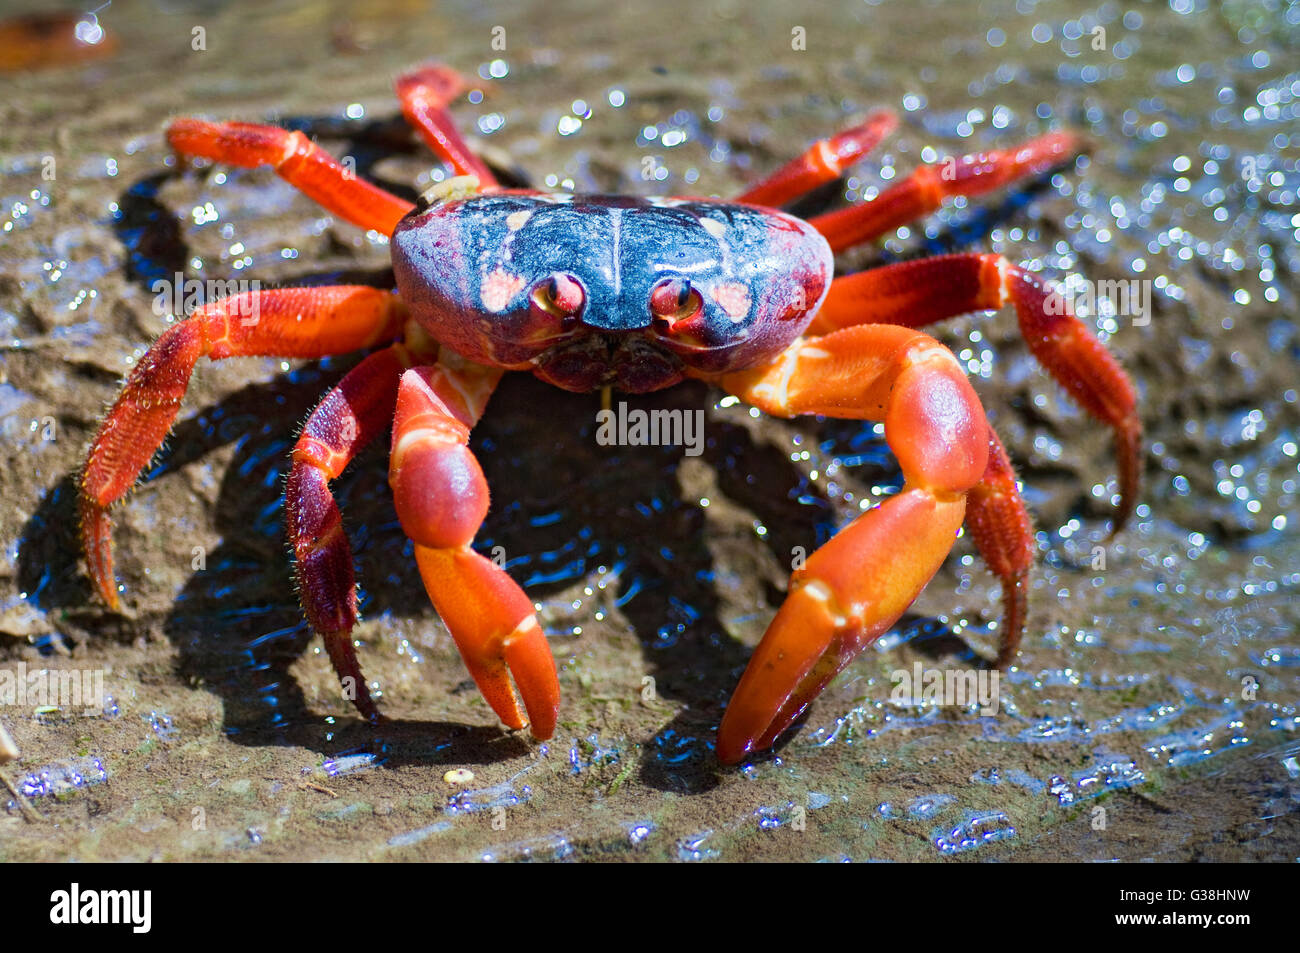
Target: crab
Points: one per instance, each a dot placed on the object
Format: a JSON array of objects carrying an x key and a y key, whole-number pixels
[{"x": 596, "y": 291}]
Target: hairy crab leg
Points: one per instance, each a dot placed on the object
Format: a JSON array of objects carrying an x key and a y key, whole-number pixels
[
  {"x": 425, "y": 94},
  {"x": 441, "y": 499},
  {"x": 298, "y": 161},
  {"x": 285, "y": 322},
  {"x": 917, "y": 293},
  {"x": 352, "y": 414},
  {"x": 853, "y": 588},
  {"x": 925, "y": 189},
  {"x": 1004, "y": 535},
  {"x": 821, "y": 162}
]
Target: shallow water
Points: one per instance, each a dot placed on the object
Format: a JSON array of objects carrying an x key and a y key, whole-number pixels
[{"x": 1159, "y": 680}]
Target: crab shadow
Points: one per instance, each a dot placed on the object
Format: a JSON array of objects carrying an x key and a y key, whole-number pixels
[
  {"x": 563, "y": 505},
  {"x": 236, "y": 623}
]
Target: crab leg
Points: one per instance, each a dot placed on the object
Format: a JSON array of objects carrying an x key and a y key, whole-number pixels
[
  {"x": 925, "y": 189},
  {"x": 916, "y": 293},
  {"x": 286, "y": 322},
  {"x": 855, "y": 587},
  {"x": 425, "y": 94},
  {"x": 298, "y": 161},
  {"x": 441, "y": 500},
  {"x": 1004, "y": 535},
  {"x": 822, "y": 162},
  {"x": 343, "y": 423}
]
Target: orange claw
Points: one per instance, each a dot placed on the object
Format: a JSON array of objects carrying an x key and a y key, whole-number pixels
[
  {"x": 856, "y": 586},
  {"x": 441, "y": 499},
  {"x": 497, "y": 634},
  {"x": 849, "y": 593}
]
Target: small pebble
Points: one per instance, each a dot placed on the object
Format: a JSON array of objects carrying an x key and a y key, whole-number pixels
[{"x": 459, "y": 776}]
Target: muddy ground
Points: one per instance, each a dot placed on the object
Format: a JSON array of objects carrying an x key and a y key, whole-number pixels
[{"x": 1153, "y": 710}]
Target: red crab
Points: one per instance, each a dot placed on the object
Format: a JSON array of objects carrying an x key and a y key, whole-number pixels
[{"x": 595, "y": 291}]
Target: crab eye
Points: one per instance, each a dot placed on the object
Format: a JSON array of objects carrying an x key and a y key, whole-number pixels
[
  {"x": 673, "y": 299},
  {"x": 559, "y": 295}
]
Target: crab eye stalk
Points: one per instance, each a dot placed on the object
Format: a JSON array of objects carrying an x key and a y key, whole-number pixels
[
  {"x": 560, "y": 296},
  {"x": 674, "y": 300}
]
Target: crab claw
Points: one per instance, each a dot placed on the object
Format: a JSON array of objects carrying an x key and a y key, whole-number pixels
[
  {"x": 850, "y": 592},
  {"x": 497, "y": 633},
  {"x": 441, "y": 498}
]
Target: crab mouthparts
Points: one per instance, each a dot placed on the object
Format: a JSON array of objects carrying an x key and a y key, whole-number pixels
[{"x": 633, "y": 364}]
